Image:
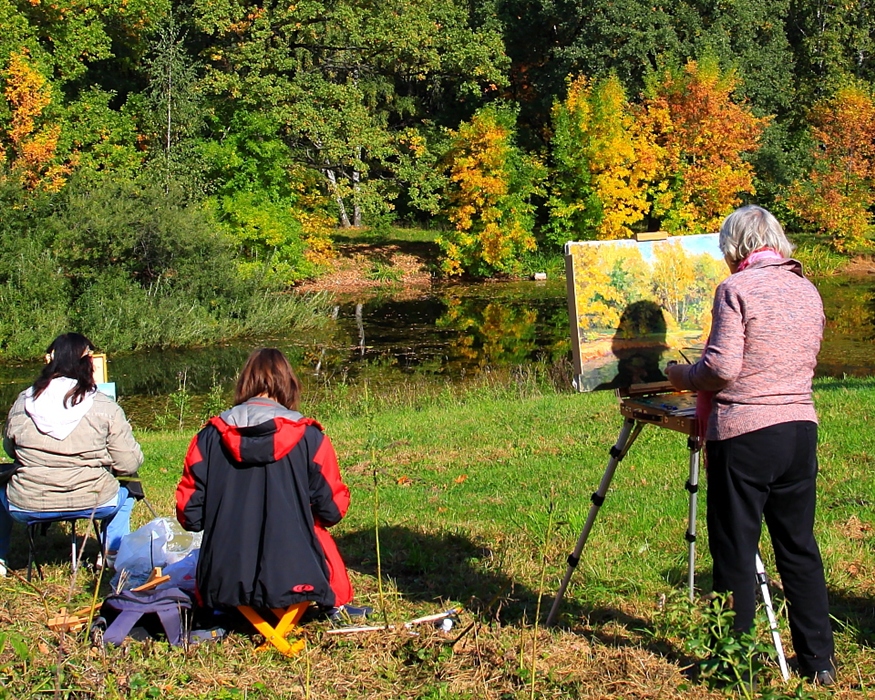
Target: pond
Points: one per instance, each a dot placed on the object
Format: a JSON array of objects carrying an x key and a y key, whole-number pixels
[{"x": 447, "y": 333}]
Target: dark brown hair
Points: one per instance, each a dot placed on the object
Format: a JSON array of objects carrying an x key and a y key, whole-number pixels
[
  {"x": 268, "y": 372},
  {"x": 69, "y": 355}
]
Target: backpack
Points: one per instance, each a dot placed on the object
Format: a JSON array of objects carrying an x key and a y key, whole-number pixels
[{"x": 166, "y": 610}]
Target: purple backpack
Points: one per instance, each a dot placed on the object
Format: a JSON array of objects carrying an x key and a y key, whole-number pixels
[{"x": 169, "y": 607}]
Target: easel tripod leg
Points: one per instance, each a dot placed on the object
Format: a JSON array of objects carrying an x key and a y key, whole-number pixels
[
  {"x": 628, "y": 433},
  {"x": 692, "y": 486},
  {"x": 763, "y": 582}
]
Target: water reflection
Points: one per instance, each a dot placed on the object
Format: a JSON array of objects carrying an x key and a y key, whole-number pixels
[
  {"x": 449, "y": 333},
  {"x": 849, "y": 337}
]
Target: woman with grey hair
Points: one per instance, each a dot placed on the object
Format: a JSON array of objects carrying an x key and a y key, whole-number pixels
[{"x": 757, "y": 414}]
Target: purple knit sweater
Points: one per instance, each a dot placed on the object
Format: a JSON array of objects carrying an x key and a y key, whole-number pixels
[{"x": 767, "y": 324}]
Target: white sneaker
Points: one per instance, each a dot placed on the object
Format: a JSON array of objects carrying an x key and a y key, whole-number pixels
[{"x": 2, "y": 568}]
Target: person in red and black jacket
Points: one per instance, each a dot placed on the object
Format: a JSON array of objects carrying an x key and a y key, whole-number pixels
[{"x": 262, "y": 483}]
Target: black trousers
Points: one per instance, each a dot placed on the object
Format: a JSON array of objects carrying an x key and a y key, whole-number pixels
[{"x": 771, "y": 473}]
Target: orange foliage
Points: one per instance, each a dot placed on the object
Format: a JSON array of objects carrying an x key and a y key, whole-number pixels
[
  {"x": 838, "y": 193},
  {"x": 32, "y": 148},
  {"x": 704, "y": 135}
]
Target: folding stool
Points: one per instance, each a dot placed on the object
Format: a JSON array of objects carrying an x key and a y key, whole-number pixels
[{"x": 276, "y": 634}]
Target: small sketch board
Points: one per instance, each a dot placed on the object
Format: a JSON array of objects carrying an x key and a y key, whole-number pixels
[{"x": 633, "y": 306}]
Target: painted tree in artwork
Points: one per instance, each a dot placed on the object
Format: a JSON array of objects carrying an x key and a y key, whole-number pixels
[
  {"x": 673, "y": 276},
  {"x": 28, "y": 145},
  {"x": 603, "y": 160},
  {"x": 838, "y": 194},
  {"x": 704, "y": 135},
  {"x": 599, "y": 302},
  {"x": 491, "y": 185}
]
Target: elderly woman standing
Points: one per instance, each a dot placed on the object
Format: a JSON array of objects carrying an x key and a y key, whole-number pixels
[{"x": 761, "y": 434}]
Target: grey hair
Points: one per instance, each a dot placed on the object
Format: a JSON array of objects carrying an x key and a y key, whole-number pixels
[{"x": 750, "y": 228}]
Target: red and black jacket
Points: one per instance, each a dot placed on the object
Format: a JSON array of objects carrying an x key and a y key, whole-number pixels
[{"x": 263, "y": 484}]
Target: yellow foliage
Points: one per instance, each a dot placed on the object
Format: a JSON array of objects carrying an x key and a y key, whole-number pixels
[
  {"x": 317, "y": 228},
  {"x": 598, "y": 301},
  {"x": 837, "y": 195},
  {"x": 27, "y": 95},
  {"x": 618, "y": 152},
  {"x": 488, "y": 225}
]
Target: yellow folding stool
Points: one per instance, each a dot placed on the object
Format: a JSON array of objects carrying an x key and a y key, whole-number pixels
[{"x": 276, "y": 635}]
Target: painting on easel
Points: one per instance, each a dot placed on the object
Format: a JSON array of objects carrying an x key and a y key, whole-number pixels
[{"x": 636, "y": 304}]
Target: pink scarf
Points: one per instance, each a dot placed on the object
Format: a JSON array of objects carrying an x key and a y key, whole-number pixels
[{"x": 705, "y": 399}]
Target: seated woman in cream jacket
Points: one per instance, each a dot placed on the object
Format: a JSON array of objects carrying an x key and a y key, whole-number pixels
[{"x": 69, "y": 442}]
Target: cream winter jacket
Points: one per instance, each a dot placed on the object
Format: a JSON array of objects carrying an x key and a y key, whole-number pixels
[{"x": 68, "y": 465}]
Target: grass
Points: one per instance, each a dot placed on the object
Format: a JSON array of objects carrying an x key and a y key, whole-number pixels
[
  {"x": 477, "y": 488},
  {"x": 387, "y": 234},
  {"x": 819, "y": 259}
]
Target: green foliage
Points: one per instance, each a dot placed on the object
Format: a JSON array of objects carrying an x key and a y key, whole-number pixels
[
  {"x": 267, "y": 235},
  {"x": 735, "y": 662},
  {"x": 819, "y": 259},
  {"x": 107, "y": 225},
  {"x": 175, "y": 114},
  {"x": 178, "y": 406},
  {"x": 338, "y": 81},
  {"x": 130, "y": 266},
  {"x": 290, "y": 118},
  {"x": 384, "y": 272},
  {"x": 215, "y": 401},
  {"x": 250, "y": 156}
]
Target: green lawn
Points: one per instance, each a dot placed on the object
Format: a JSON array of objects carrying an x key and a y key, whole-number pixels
[{"x": 467, "y": 485}]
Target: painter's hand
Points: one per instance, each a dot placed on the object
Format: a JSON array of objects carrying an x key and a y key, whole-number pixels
[{"x": 677, "y": 374}]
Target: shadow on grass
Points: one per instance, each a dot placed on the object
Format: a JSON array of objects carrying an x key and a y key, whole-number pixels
[
  {"x": 447, "y": 566},
  {"x": 373, "y": 245},
  {"x": 52, "y": 548},
  {"x": 855, "y": 615}
]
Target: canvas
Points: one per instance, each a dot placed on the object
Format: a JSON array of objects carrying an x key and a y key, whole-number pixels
[{"x": 635, "y": 305}]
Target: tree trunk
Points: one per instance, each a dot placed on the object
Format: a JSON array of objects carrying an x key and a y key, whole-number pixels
[
  {"x": 356, "y": 210},
  {"x": 332, "y": 180}
]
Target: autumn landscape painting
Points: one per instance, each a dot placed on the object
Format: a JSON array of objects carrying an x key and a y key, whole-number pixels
[{"x": 633, "y": 306}]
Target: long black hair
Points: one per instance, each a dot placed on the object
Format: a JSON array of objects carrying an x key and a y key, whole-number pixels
[{"x": 69, "y": 355}]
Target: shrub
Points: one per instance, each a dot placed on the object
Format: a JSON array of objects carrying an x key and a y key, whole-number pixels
[
  {"x": 837, "y": 197},
  {"x": 492, "y": 185}
]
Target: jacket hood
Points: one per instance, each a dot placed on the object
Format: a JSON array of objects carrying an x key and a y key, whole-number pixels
[
  {"x": 261, "y": 431},
  {"x": 48, "y": 411}
]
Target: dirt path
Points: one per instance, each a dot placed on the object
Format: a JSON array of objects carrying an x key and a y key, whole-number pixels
[{"x": 364, "y": 266}]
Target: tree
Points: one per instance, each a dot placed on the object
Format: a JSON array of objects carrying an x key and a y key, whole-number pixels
[
  {"x": 176, "y": 113},
  {"x": 603, "y": 163},
  {"x": 84, "y": 52},
  {"x": 704, "y": 135},
  {"x": 838, "y": 194},
  {"x": 489, "y": 198},
  {"x": 830, "y": 40},
  {"x": 673, "y": 279},
  {"x": 339, "y": 80},
  {"x": 598, "y": 300}
]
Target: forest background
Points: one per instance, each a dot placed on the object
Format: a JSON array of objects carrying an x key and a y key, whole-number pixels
[{"x": 169, "y": 170}]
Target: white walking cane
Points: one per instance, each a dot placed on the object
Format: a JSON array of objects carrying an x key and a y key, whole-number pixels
[{"x": 763, "y": 582}]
